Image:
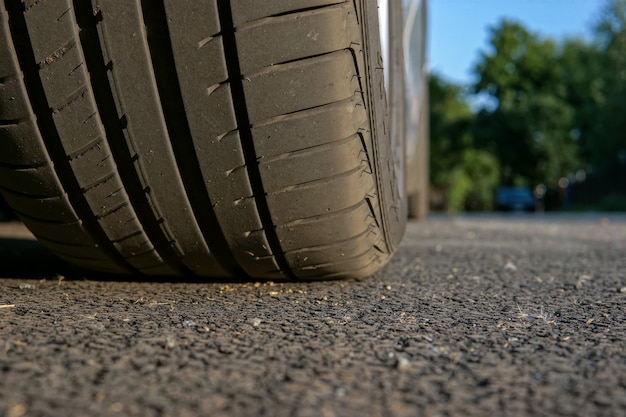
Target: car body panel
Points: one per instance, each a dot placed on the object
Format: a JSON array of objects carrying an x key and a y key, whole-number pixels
[{"x": 412, "y": 150}]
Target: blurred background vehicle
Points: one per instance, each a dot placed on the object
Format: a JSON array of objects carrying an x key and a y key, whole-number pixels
[{"x": 515, "y": 199}]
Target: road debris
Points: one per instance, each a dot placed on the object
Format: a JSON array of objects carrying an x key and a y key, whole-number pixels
[
  {"x": 583, "y": 281},
  {"x": 510, "y": 266}
]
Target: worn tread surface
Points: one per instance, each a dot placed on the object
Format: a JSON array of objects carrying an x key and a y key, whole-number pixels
[{"x": 207, "y": 138}]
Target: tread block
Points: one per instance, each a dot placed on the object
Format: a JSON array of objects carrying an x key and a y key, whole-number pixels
[
  {"x": 13, "y": 100},
  {"x": 49, "y": 27},
  {"x": 107, "y": 194},
  {"x": 72, "y": 233},
  {"x": 288, "y": 88},
  {"x": 360, "y": 261},
  {"x": 237, "y": 210},
  {"x": 56, "y": 209},
  {"x": 309, "y": 128},
  {"x": 313, "y": 164},
  {"x": 194, "y": 30},
  {"x": 18, "y": 147},
  {"x": 92, "y": 252},
  {"x": 7, "y": 57},
  {"x": 78, "y": 124},
  {"x": 304, "y": 234},
  {"x": 344, "y": 249},
  {"x": 63, "y": 78},
  {"x": 302, "y": 35},
  {"x": 149, "y": 260},
  {"x": 39, "y": 182},
  {"x": 222, "y": 169},
  {"x": 141, "y": 254},
  {"x": 320, "y": 198},
  {"x": 199, "y": 19},
  {"x": 93, "y": 165},
  {"x": 120, "y": 223}
]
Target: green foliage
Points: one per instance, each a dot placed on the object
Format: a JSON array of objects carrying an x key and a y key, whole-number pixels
[
  {"x": 553, "y": 108},
  {"x": 530, "y": 128},
  {"x": 467, "y": 176},
  {"x": 473, "y": 182},
  {"x": 612, "y": 203},
  {"x": 610, "y": 136},
  {"x": 450, "y": 128}
]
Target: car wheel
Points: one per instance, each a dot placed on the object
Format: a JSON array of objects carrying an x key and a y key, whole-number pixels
[{"x": 200, "y": 138}]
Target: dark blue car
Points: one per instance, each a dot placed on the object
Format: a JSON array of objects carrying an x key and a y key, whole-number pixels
[{"x": 515, "y": 199}]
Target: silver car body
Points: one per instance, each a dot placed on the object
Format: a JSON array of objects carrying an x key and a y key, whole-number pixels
[{"x": 414, "y": 143}]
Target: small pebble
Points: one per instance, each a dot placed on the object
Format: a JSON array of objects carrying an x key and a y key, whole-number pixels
[
  {"x": 403, "y": 364},
  {"x": 510, "y": 266}
]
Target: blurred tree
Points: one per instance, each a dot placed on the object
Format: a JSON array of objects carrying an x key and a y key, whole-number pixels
[
  {"x": 549, "y": 109},
  {"x": 466, "y": 176},
  {"x": 583, "y": 67},
  {"x": 609, "y": 145},
  {"x": 530, "y": 127},
  {"x": 450, "y": 127},
  {"x": 473, "y": 181}
]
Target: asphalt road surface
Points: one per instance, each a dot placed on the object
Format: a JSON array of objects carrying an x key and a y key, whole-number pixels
[{"x": 475, "y": 316}]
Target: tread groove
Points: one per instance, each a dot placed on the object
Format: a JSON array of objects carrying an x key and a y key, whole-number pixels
[
  {"x": 40, "y": 107},
  {"x": 114, "y": 126},
  {"x": 245, "y": 133},
  {"x": 173, "y": 108},
  {"x": 13, "y": 122}
]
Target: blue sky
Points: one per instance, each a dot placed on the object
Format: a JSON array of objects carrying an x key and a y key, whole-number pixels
[{"x": 458, "y": 29}]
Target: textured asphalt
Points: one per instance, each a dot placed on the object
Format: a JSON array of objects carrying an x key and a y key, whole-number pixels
[{"x": 475, "y": 316}]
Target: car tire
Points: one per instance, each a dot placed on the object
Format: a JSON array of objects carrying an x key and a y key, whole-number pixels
[{"x": 200, "y": 138}]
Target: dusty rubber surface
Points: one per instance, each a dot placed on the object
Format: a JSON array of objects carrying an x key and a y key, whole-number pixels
[
  {"x": 206, "y": 138},
  {"x": 475, "y": 316}
]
